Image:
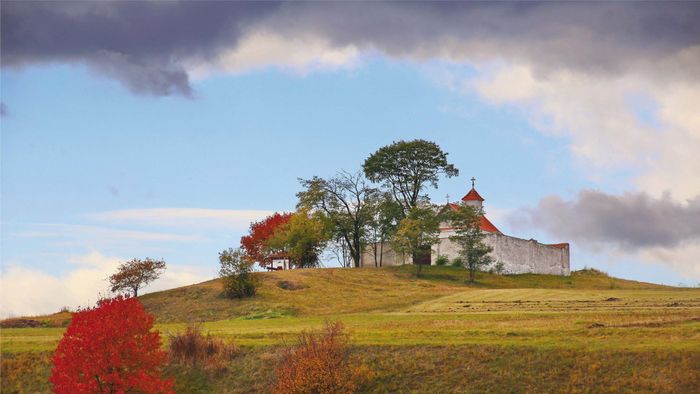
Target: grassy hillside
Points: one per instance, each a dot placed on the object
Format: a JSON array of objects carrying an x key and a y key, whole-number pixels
[
  {"x": 338, "y": 291},
  {"x": 514, "y": 333}
]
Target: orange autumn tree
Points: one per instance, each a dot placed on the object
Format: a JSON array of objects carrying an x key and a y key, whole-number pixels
[
  {"x": 255, "y": 243},
  {"x": 110, "y": 349}
]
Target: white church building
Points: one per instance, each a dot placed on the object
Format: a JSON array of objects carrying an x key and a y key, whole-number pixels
[{"x": 515, "y": 255}]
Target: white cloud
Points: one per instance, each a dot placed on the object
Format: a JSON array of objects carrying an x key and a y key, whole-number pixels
[
  {"x": 261, "y": 49},
  {"x": 183, "y": 217},
  {"x": 685, "y": 259},
  {"x": 605, "y": 131},
  {"x": 29, "y": 291}
]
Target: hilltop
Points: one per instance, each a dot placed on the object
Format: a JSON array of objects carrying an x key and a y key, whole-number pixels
[{"x": 333, "y": 291}]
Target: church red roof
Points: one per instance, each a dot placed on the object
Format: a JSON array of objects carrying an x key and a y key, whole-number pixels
[
  {"x": 473, "y": 195},
  {"x": 484, "y": 225},
  {"x": 487, "y": 226}
]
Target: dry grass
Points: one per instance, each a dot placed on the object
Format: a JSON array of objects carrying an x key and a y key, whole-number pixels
[
  {"x": 443, "y": 369},
  {"x": 323, "y": 292},
  {"x": 319, "y": 363},
  {"x": 520, "y": 333},
  {"x": 25, "y": 372},
  {"x": 195, "y": 350},
  {"x": 562, "y": 300}
]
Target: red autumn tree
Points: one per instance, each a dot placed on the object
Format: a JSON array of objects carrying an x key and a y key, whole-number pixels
[
  {"x": 255, "y": 243},
  {"x": 110, "y": 349}
]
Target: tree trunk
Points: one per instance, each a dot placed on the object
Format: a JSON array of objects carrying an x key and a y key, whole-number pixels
[
  {"x": 136, "y": 291},
  {"x": 381, "y": 252},
  {"x": 374, "y": 249}
]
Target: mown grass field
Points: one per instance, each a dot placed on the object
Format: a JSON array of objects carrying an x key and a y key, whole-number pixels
[{"x": 520, "y": 333}]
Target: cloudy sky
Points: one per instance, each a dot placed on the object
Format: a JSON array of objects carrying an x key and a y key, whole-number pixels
[{"x": 133, "y": 129}]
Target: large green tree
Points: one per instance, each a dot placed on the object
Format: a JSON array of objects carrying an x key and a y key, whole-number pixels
[
  {"x": 416, "y": 233},
  {"x": 468, "y": 236},
  {"x": 348, "y": 202},
  {"x": 406, "y": 168}
]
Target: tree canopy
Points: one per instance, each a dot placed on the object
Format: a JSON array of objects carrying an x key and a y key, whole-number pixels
[
  {"x": 469, "y": 237},
  {"x": 302, "y": 238},
  {"x": 135, "y": 274},
  {"x": 255, "y": 244},
  {"x": 407, "y": 167},
  {"x": 417, "y": 232},
  {"x": 236, "y": 273},
  {"x": 110, "y": 349},
  {"x": 348, "y": 202}
]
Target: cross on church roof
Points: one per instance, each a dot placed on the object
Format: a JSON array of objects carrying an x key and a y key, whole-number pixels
[{"x": 473, "y": 180}]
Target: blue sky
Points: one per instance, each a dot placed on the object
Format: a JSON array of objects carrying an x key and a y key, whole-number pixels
[{"x": 94, "y": 173}]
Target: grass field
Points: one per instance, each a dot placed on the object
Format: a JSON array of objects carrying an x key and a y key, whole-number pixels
[{"x": 436, "y": 333}]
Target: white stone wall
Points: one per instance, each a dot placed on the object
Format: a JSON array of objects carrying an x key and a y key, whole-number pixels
[{"x": 519, "y": 256}]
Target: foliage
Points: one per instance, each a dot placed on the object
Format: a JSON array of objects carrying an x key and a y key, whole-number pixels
[
  {"x": 469, "y": 237},
  {"x": 303, "y": 238},
  {"x": 135, "y": 274},
  {"x": 457, "y": 262},
  {"x": 442, "y": 260},
  {"x": 255, "y": 244},
  {"x": 236, "y": 273},
  {"x": 195, "y": 350},
  {"x": 498, "y": 268},
  {"x": 417, "y": 233},
  {"x": 382, "y": 226},
  {"x": 348, "y": 202},
  {"x": 406, "y": 167},
  {"x": 319, "y": 363},
  {"x": 110, "y": 349}
]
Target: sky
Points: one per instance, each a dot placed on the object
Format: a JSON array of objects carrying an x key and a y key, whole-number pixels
[{"x": 162, "y": 129}]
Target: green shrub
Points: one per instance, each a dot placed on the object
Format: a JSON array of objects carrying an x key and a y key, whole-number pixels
[
  {"x": 235, "y": 272},
  {"x": 442, "y": 260},
  {"x": 240, "y": 285},
  {"x": 457, "y": 262}
]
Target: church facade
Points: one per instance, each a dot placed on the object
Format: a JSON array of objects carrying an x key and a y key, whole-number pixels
[{"x": 513, "y": 255}]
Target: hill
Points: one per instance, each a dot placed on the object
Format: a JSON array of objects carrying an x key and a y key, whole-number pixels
[
  {"x": 320, "y": 292},
  {"x": 514, "y": 333}
]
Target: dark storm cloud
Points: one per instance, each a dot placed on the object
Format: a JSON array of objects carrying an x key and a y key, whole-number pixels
[
  {"x": 585, "y": 36},
  {"x": 144, "y": 44},
  {"x": 631, "y": 221},
  {"x": 141, "y": 44}
]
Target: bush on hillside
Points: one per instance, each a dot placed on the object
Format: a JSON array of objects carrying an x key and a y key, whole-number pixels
[
  {"x": 193, "y": 349},
  {"x": 591, "y": 272},
  {"x": 110, "y": 349},
  {"x": 457, "y": 262},
  {"x": 236, "y": 273},
  {"x": 18, "y": 322},
  {"x": 319, "y": 363},
  {"x": 442, "y": 260}
]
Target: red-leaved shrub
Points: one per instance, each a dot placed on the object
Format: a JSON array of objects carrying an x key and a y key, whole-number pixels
[
  {"x": 319, "y": 363},
  {"x": 110, "y": 349}
]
